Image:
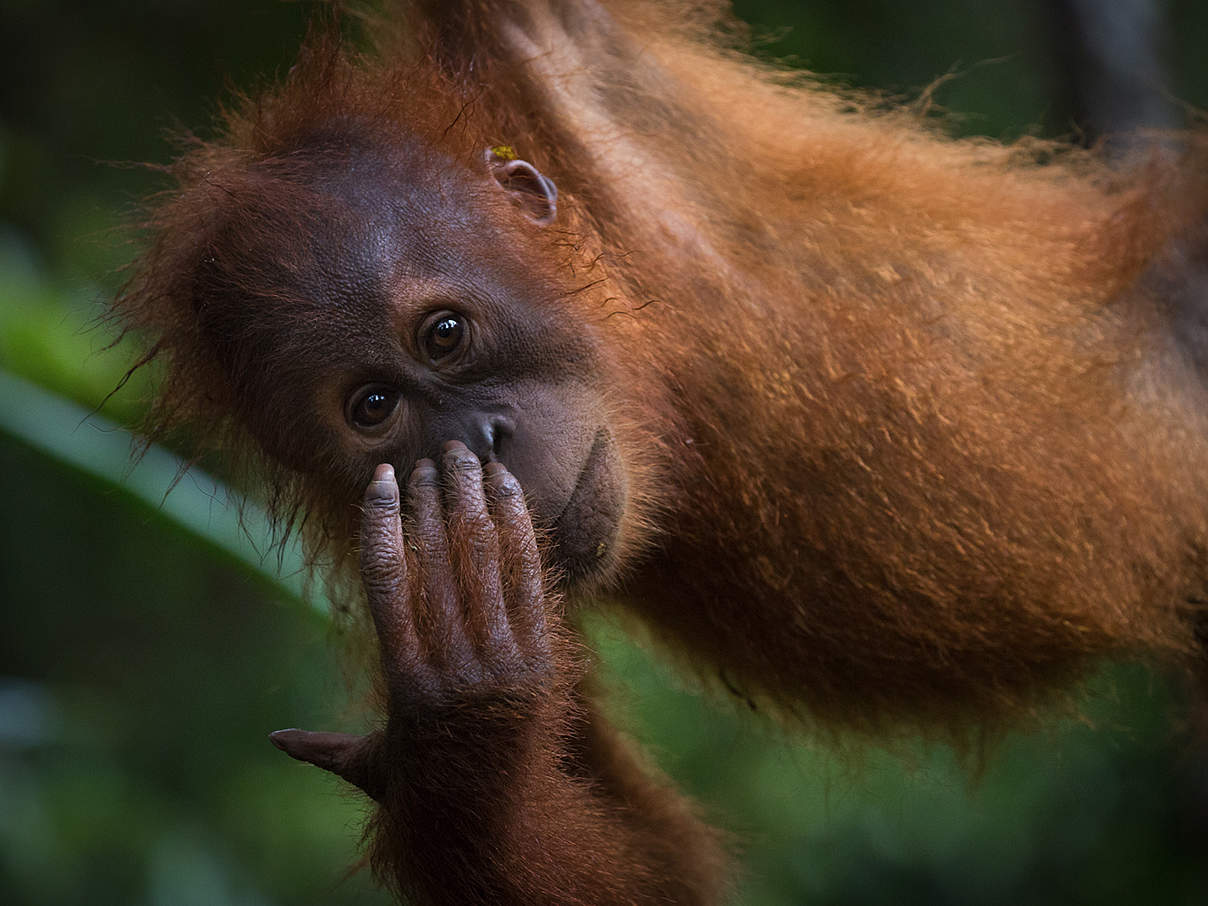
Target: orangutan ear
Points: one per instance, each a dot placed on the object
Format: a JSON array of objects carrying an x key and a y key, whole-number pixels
[{"x": 535, "y": 193}]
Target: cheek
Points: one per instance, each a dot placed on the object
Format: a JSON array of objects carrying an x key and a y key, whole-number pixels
[
  {"x": 587, "y": 529},
  {"x": 308, "y": 434},
  {"x": 555, "y": 430},
  {"x": 565, "y": 457},
  {"x": 284, "y": 433}
]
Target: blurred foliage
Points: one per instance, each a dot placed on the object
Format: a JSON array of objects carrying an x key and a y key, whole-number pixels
[{"x": 146, "y": 648}]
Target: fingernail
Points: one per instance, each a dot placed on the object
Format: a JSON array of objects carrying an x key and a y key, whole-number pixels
[
  {"x": 383, "y": 489},
  {"x": 281, "y": 738}
]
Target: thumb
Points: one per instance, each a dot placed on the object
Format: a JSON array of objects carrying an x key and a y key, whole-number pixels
[{"x": 354, "y": 758}]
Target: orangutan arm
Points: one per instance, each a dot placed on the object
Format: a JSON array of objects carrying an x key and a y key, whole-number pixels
[{"x": 496, "y": 784}]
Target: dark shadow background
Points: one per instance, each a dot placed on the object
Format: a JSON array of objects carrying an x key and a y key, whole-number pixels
[{"x": 141, "y": 665}]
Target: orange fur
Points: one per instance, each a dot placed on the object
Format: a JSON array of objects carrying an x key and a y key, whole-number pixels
[{"x": 910, "y": 437}]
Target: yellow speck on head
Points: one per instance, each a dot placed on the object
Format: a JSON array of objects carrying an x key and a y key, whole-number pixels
[
  {"x": 504, "y": 152},
  {"x": 887, "y": 273}
]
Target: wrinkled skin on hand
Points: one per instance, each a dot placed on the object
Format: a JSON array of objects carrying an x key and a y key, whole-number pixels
[{"x": 460, "y": 615}]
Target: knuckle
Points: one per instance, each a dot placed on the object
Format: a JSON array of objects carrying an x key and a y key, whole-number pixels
[
  {"x": 425, "y": 475},
  {"x": 461, "y": 460},
  {"x": 380, "y": 590},
  {"x": 381, "y": 573},
  {"x": 377, "y": 511},
  {"x": 381, "y": 496}
]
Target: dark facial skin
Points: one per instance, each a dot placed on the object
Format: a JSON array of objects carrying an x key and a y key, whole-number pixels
[
  {"x": 410, "y": 352},
  {"x": 394, "y": 341},
  {"x": 400, "y": 333}
]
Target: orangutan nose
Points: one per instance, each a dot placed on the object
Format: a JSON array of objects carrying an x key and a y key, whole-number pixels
[{"x": 488, "y": 434}]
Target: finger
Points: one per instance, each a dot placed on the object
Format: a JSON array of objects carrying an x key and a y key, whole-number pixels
[
  {"x": 445, "y": 630},
  {"x": 384, "y": 569},
  {"x": 347, "y": 756},
  {"x": 475, "y": 549},
  {"x": 520, "y": 561}
]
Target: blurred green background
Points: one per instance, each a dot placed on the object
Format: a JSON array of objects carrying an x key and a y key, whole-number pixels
[{"x": 148, "y": 645}]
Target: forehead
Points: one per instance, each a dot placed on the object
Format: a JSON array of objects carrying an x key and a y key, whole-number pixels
[
  {"x": 345, "y": 235},
  {"x": 383, "y": 217}
]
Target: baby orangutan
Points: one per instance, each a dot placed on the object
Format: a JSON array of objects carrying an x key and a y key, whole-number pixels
[{"x": 902, "y": 432}]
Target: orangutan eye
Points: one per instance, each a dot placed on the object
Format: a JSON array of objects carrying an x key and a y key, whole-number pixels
[
  {"x": 443, "y": 334},
  {"x": 371, "y": 406}
]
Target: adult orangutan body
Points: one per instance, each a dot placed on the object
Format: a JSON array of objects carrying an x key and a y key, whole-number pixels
[{"x": 898, "y": 431}]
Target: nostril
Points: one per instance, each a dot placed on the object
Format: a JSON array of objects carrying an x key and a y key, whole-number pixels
[{"x": 499, "y": 428}]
